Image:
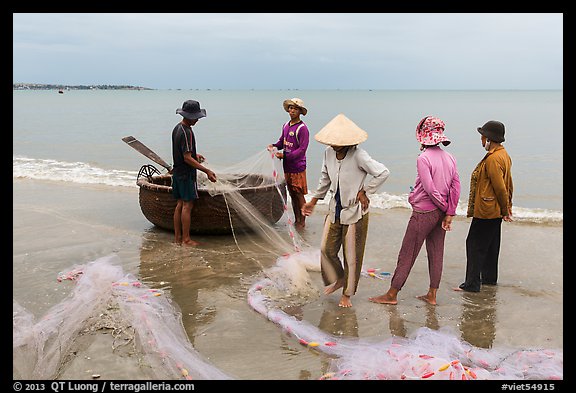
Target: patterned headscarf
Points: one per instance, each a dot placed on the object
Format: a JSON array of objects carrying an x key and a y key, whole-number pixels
[{"x": 430, "y": 131}]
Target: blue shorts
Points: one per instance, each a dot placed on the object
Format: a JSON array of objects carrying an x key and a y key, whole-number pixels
[{"x": 184, "y": 188}]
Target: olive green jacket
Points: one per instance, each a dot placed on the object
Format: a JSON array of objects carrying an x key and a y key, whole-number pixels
[{"x": 491, "y": 186}]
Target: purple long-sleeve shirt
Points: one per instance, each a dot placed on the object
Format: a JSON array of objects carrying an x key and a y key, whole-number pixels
[
  {"x": 294, "y": 141},
  {"x": 437, "y": 182}
]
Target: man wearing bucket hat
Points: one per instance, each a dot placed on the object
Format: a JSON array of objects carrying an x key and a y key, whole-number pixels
[
  {"x": 294, "y": 143},
  {"x": 184, "y": 172},
  {"x": 434, "y": 199},
  {"x": 345, "y": 167},
  {"x": 489, "y": 202}
]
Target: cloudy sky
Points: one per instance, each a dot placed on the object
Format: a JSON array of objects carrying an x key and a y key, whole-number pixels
[{"x": 291, "y": 51}]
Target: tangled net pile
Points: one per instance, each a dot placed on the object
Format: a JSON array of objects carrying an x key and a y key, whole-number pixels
[{"x": 148, "y": 321}]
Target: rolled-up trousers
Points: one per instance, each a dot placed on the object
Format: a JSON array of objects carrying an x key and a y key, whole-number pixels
[
  {"x": 422, "y": 226},
  {"x": 352, "y": 239}
]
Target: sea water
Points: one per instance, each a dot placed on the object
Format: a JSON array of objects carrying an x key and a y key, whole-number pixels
[{"x": 77, "y": 136}]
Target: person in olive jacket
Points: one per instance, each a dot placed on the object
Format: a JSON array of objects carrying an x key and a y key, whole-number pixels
[{"x": 489, "y": 202}]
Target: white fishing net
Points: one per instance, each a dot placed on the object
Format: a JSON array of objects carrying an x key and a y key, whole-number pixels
[
  {"x": 240, "y": 184},
  {"x": 426, "y": 354},
  {"x": 105, "y": 298},
  {"x": 146, "y": 322}
]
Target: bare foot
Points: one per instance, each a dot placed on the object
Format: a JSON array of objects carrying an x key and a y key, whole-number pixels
[
  {"x": 345, "y": 301},
  {"x": 383, "y": 299},
  {"x": 427, "y": 299},
  {"x": 337, "y": 285},
  {"x": 190, "y": 243},
  {"x": 458, "y": 289}
]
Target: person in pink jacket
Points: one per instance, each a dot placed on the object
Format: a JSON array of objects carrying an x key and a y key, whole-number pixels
[{"x": 434, "y": 199}]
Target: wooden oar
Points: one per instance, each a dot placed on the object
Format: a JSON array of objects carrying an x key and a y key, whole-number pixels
[{"x": 139, "y": 146}]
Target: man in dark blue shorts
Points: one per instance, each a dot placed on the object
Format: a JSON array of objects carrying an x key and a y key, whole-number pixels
[{"x": 186, "y": 163}]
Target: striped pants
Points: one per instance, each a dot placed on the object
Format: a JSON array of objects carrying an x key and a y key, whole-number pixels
[
  {"x": 421, "y": 227},
  {"x": 352, "y": 239}
]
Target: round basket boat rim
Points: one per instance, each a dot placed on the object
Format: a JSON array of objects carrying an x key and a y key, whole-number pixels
[{"x": 143, "y": 182}]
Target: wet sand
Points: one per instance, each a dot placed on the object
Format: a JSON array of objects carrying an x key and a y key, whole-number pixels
[{"x": 56, "y": 226}]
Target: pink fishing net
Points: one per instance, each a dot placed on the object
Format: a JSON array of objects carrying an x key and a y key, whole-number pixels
[{"x": 426, "y": 354}]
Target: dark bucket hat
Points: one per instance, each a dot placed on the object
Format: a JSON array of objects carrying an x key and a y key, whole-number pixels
[
  {"x": 191, "y": 110},
  {"x": 493, "y": 130}
]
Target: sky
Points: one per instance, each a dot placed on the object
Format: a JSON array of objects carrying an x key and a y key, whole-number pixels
[{"x": 291, "y": 50}]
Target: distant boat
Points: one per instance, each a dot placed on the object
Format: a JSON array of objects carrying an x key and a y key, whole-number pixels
[{"x": 60, "y": 92}]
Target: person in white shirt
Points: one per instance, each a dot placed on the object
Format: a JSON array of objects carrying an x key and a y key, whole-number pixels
[{"x": 345, "y": 168}]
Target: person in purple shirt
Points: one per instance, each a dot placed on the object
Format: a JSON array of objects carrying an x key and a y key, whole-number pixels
[
  {"x": 294, "y": 143},
  {"x": 434, "y": 199}
]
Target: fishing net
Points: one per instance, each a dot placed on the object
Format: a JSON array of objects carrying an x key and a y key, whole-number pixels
[
  {"x": 426, "y": 354},
  {"x": 141, "y": 318},
  {"x": 248, "y": 187},
  {"x": 147, "y": 323}
]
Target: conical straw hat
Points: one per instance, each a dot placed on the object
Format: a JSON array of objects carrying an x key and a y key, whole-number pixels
[{"x": 341, "y": 131}]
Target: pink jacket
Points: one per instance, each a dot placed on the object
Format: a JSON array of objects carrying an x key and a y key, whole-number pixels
[{"x": 437, "y": 182}]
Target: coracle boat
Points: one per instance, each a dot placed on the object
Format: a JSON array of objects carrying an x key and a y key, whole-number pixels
[{"x": 211, "y": 214}]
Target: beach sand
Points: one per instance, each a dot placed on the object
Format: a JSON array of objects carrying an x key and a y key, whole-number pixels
[{"x": 56, "y": 226}]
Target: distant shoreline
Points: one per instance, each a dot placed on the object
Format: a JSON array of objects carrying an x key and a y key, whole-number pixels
[{"x": 44, "y": 86}]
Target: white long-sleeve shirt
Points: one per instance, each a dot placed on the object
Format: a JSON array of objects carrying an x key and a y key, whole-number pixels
[{"x": 350, "y": 173}]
